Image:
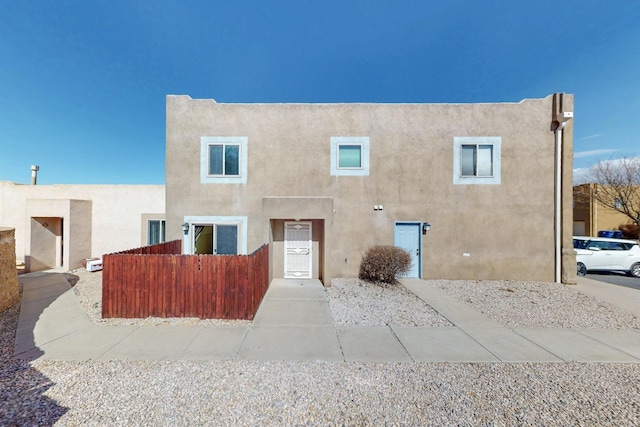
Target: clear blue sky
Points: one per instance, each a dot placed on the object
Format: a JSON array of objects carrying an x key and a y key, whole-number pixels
[{"x": 83, "y": 83}]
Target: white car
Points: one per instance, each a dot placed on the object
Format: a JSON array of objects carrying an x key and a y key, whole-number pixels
[{"x": 606, "y": 254}]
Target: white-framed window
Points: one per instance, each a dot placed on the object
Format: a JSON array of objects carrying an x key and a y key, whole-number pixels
[
  {"x": 350, "y": 155},
  {"x": 223, "y": 159},
  {"x": 617, "y": 203},
  {"x": 477, "y": 159},
  {"x": 155, "y": 231},
  {"x": 218, "y": 235}
]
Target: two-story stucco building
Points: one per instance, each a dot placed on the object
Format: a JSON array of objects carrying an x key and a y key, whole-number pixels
[{"x": 472, "y": 191}]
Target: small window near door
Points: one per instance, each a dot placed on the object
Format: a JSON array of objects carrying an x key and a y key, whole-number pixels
[
  {"x": 155, "y": 231},
  {"x": 350, "y": 155}
]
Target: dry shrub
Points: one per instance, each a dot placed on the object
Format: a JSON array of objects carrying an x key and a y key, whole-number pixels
[
  {"x": 630, "y": 231},
  {"x": 384, "y": 264}
]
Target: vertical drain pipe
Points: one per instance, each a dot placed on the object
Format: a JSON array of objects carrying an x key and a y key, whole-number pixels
[
  {"x": 34, "y": 174},
  {"x": 561, "y": 117}
]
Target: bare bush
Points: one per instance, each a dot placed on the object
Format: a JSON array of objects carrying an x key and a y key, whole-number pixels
[{"x": 384, "y": 264}]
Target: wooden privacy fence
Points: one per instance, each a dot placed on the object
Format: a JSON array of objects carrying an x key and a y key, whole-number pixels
[
  {"x": 142, "y": 283},
  {"x": 173, "y": 247}
]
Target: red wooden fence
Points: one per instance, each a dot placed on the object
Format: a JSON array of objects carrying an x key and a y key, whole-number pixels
[
  {"x": 146, "y": 282},
  {"x": 173, "y": 247}
]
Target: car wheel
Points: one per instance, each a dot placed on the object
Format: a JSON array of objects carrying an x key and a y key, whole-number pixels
[
  {"x": 635, "y": 270},
  {"x": 582, "y": 269}
]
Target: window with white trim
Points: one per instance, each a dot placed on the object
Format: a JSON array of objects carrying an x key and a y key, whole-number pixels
[
  {"x": 216, "y": 235},
  {"x": 155, "y": 231},
  {"x": 218, "y": 239},
  {"x": 350, "y": 155},
  {"x": 477, "y": 160},
  {"x": 223, "y": 159}
]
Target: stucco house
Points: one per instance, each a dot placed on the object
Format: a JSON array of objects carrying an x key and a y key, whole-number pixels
[
  {"x": 57, "y": 226},
  {"x": 472, "y": 191}
]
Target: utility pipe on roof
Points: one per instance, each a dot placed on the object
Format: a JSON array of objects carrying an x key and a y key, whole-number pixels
[{"x": 34, "y": 174}]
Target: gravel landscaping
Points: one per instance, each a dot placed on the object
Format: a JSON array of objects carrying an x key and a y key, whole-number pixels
[
  {"x": 537, "y": 305},
  {"x": 187, "y": 393},
  {"x": 360, "y": 303}
]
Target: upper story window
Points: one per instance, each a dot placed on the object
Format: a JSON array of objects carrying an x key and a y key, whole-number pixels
[
  {"x": 223, "y": 159},
  {"x": 617, "y": 203},
  {"x": 350, "y": 155},
  {"x": 477, "y": 160}
]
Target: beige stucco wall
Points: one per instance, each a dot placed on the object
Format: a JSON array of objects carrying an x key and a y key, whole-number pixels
[
  {"x": 507, "y": 230},
  {"x": 96, "y": 219}
]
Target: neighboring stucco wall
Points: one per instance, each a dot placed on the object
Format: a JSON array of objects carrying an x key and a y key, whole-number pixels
[
  {"x": 507, "y": 230},
  {"x": 100, "y": 219},
  {"x": 595, "y": 216},
  {"x": 9, "y": 289}
]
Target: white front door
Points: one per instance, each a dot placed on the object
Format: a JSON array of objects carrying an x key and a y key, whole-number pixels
[{"x": 297, "y": 250}]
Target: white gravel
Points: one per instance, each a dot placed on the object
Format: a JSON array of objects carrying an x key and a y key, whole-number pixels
[
  {"x": 533, "y": 304},
  {"x": 360, "y": 303},
  {"x": 187, "y": 393}
]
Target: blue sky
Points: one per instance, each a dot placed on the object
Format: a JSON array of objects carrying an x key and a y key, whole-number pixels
[{"x": 83, "y": 83}]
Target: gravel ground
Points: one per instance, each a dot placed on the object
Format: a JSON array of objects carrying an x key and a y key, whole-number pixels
[
  {"x": 360, "y": 303},
  {"x": 534, "y": 304},
  {"x": 187, "y": 393}
]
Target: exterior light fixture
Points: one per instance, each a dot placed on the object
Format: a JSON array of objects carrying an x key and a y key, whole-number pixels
[
  {"x": 425, "y": 227},
  {"x": 185, "y": 228}
]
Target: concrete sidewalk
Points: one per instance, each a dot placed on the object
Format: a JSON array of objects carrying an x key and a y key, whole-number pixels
[{"x": 294, "y": 323}]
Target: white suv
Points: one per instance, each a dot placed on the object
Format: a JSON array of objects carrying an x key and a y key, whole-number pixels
[{"x": 602, "y": 253}]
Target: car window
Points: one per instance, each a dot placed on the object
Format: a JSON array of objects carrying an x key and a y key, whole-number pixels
[
  {"x": 580, "y": 244},
  {"x": 619, "y": 246},
  {"x": 597, "y": 244}
]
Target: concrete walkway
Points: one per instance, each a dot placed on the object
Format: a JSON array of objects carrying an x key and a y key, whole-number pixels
[{"x": 294, "y": 323}]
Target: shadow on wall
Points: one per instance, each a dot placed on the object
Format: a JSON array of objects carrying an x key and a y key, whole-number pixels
[{"x": 22, "y": 387}]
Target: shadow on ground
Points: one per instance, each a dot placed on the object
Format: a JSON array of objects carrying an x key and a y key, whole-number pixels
[{"x": 22, "y": 387}]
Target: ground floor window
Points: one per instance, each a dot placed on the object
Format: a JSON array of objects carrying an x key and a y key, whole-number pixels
[
  {"x": 218, "y": 239},
  {"x": 155, "y": 231},
  {"x": 215, "y": 235}
]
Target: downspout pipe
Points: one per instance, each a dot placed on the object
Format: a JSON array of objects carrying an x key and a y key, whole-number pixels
[{"x": 562, "y": 119}]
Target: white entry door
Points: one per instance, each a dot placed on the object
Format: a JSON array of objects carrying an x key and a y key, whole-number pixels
[
  {"x": 297, "y": 250},
  {"x": 406, "y": 235}
]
